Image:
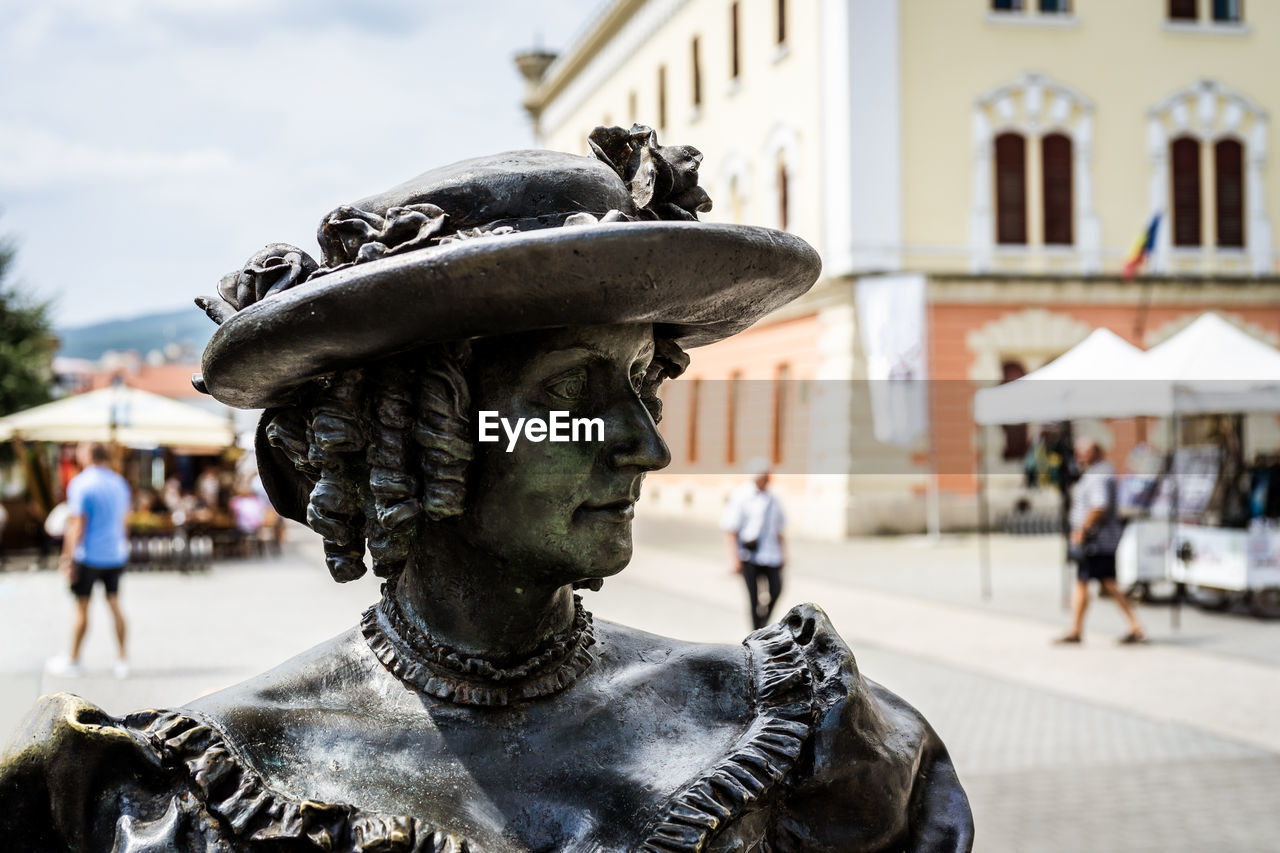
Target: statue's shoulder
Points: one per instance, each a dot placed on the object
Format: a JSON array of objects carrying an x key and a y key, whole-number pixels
[
  {"x": 877, "y": 776},
  {"x": 75, "y": 778},
  {"x": 834, "y": 760},
  {"x": 320, "y": 677},
  {"x": 50, "y": 768}
]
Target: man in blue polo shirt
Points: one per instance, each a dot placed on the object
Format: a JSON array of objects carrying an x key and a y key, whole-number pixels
[{"x": 96, "y": 548}]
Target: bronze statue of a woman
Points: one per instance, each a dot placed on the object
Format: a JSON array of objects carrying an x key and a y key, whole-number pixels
[{"x": 477, "y": 706}]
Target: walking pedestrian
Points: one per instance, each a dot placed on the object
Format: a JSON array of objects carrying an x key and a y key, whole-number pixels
[
  {"x": 95, "y": 548},
  {"x": 1095, "y": 534},
  {"x": 753, "y": 520}
]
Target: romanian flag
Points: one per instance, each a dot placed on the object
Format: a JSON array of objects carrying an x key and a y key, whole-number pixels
[{"x": 1142, "y": 248}]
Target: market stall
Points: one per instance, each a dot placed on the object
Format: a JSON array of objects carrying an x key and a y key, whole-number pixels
[{"x": 1210, "y": 367}]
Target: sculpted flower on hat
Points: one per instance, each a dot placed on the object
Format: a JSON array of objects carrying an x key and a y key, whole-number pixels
[
  {"x": 276, "y": 268},
  {"x": 663, "y": 180},
  {"x": 349, "y": 235}
]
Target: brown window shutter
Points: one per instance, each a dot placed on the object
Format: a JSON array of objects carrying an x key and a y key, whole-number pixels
[
  {"x": 1228, "y": 166},
  {"x": 1185, "y": 162},
  {"x": 1055, "y": 159},
  {"x": 1011, "y": 189},
  {"x": 735, "y": 66},
  {"x": 697, "y": 73}
]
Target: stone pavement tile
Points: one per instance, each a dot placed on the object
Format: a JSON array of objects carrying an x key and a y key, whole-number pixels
[
  {"x": 992, "y": 725},
  {"x": 1186, "y": 806},
  {"x": 1046, "y": 772}
]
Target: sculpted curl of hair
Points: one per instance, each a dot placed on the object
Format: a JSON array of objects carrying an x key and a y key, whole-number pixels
[{"x": 386, "y": 449}]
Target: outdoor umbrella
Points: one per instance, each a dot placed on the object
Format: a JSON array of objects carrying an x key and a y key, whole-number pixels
[{"x": 129, "y": 416}]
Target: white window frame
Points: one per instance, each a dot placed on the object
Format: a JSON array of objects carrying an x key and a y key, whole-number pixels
[
  {"x": 1034, "y": 106},
  {"x": 1209, "y": 111}
]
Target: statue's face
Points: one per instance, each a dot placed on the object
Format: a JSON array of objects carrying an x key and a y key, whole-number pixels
[{"x": 561, "y": 511}]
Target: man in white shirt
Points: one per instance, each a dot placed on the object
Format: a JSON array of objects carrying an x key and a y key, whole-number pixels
[
  {"x": 753, "y": 522},
  {"x": 1095, "y": 535}
]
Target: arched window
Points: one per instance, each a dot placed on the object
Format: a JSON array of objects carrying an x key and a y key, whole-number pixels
[
  {"x": 1228, "y": 170},
  {"x": 1055, "y": 166},
  {"x": 1185, "y": 161},
  {"x": 1011, "y": 189},
  {"x": 1017, "y": 438}
]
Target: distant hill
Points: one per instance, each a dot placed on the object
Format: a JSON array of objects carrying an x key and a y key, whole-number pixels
[{"x": 189, "y": 327}]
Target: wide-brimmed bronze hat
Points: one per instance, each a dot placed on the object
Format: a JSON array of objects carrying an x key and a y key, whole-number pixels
[{"x": 496, "y": 245}]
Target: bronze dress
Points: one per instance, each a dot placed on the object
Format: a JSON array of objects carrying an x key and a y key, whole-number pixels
[{"x": 617, "y": 740}]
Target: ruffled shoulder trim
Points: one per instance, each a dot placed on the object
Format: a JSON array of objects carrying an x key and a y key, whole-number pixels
[
  {"x": 783, "y": 694},
  {"x": 232, "y": 802},
  {"x": 234, "y": 791}
]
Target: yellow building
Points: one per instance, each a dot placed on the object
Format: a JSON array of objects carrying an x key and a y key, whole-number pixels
[{"x": 1008, "y": 150}]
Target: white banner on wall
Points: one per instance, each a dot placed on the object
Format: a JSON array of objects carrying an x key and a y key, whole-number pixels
[{"x": 893, "y": 326}]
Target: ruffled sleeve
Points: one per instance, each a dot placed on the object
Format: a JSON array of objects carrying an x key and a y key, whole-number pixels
[
  {"x": 876, "y": 776},
  {"x": 74, "y": 778}
]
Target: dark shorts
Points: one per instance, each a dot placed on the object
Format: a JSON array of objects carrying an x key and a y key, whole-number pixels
[
  {"x": 1097, "y": 567},
  {"x": 87, "y": 576}
]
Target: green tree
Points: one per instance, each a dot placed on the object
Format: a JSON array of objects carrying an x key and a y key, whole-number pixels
[{"x": 27, "y": 343}]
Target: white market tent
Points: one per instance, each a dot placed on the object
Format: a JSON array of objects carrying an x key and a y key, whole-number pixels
[
  {"x": 125, "y": 415},
  {"x": 1086, "y": 381},
  {"x": 1210, "y": 366}
]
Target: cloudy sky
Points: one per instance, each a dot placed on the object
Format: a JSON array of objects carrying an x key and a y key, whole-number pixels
[{"x": 147, "y": 147}]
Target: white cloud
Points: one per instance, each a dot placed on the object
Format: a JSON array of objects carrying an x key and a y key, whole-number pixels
[
  {"x": 31, "y": 157},
  {"x": 195, "y": 131}
]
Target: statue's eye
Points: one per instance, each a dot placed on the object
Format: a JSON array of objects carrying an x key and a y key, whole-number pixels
[{"x": 569, "y": 386}]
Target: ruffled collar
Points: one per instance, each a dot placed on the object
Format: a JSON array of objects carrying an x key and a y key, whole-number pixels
[{"x": 441, "y": 671}]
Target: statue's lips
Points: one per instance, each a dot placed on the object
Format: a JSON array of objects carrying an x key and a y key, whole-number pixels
[{"x": 615, "y": 511}]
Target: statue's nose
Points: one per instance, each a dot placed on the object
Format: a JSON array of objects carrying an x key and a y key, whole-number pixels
[{"x": 637, "y": 443}]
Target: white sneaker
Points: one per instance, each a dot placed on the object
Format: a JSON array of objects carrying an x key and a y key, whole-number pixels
[
  {"x": 63, "y": 667},
  {"x": 120, "y": 669}
]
